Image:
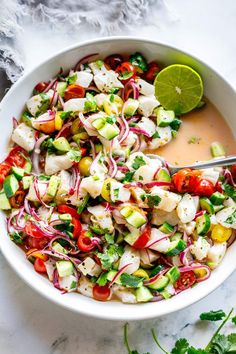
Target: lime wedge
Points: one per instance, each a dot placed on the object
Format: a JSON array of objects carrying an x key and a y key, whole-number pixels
[{"x": 178, "y": 88}]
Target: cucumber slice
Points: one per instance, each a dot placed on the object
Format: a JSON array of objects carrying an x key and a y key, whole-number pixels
[
  {"x": 136, "y": 219},
  {"x": 162, "y": 176},
  {"x": 109, "y": 131},
  {"x": 61, "y": 144},
  {"x": 58, "y": 248},
  {"x": 166, "y": 228},
  {"x": 164, "y": 118},
  {"x": 53, "y": 186},
  {"x": 18, "y": 172},
  {"x": 10, "y": 185},
  {"x": 207, "y": 205},
  {"x": 131, "y": 107},
  {"x": 64, "y": 268},
  {"x": 126, "y": 211},
  {"x": 173, "y": 274},
  {"x": 28, "y": 167},
  {"x": 131, "y": 238},
  {"x": 176, "y": 247},
  {"x": 143, "y": 294},
  {"x": 27, "y": 181},
  {"x": 160, "y": 283},
  {"x": 98, "y": 123},
  {"x": 176, "y": 236},
  {"x": 203, "y": 224},
  {"x": 4, "y": 202},
  {"x": 217, "y": 198}
]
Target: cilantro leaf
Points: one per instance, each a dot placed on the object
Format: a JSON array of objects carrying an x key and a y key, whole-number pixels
[
  {"x": 220, "y": 345},
  {"x": 138, "y": 162},
  {"x": 212, "y": 315},
  {"x": 130, "y": 280},
  {"x": 234, "y": 320},
  {"x": 156, "y": 135},
  {"x": 153, "y": 200},
  {"x": 74, "y": 155},
  {"x": 193, "y": 350},
  {"x": 181, "y": 346},
  {"x": 139, "y": 61},
  {"x": 65, "y": 115},
  {"x": 109, "y": 238},
  {"x": 175, "y": 124},
  {"x": 232, "y": 218},
  {"x": 110, "y": 256},
  {"x": 16, "y": 237},
  {"x": 71, "y": 79},
  {"x": 102, "y": 280},
  {"x": 128, "y": 177},
  {"x": 230, "y": 191},
  {"x": 90, "y": 104},
  {"x": 232, "y": 340}
]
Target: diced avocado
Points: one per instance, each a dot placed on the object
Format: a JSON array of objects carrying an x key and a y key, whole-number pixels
[
  {"x": 143, "y": 294},
  {"x": 136, "y": 219},
  {"x": 109, "y": 131},
  {"x": 58, "y": 248},
  {"x": 10, "y": 185},
  {"x": 27, "y": 119},
  {"x": 160, "y": 283},
  {"x": 28, "y": 166},
  {"x": 27, "y": 181},
  {"x": 203, "y": 224},
  {"x": 53, "y": 186},
  {"x": 111, "y": 274},
  {"x": 18, "y": 172},
  {"x": 176, "y": 247},
  {"x": 173, "y": 274},
  {"x": 4, "y": 202},
  {"x": 217, "y": 198},
  {"x": 131, "y": 107},
  {"x": 64, "y": 268},
  {"x": 65, "y": 217},
  {"x": 99, "y": 123},
  {"x": 126, "y": 211},
  {"x": 162, "y": 176},
  {"x": 166, "y": 228},
  {"x": 164, "y": 118},
  {"x": 61, "y": 87},
  {"x": 61, "y": 144},
  {"x": 207, "y": 205},
  {"x": 131, "y": 238}
]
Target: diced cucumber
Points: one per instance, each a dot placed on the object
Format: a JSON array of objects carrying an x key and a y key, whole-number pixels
[
  {"x": 131, "y": 238},
  {"x": 173, "y": 274},
  {"x": 203, "y": 224},
  {"x": 18, "y": 172},
  {"x": 58, "y": 248},
  {"x": 126, "y": 211},
  {"x": 143, "y": 294},
  {"x": 109, "y": 131},
  {"x": 111, "y": 274},
  {"x": 165, "y": 293},
  {"x": 217, "y": 149},
  {"x": 218, "y": 208},
  {"x": 136, "y": 219},
  {"x": 64, "y": 268},
  {"x": 61, "y": 87},
  {"x": 98, "y": 123},
  {"x": 27, "y": 181},
  {"x": 207, "y": 205},
  {"x": 160, "y": 283},
  {"x": 53, "y": 186},
  {"x": 166, "y": 228},
  {"x": 10, "y": 185},
  {"x": 65, "y": 217},
  {"x": 176, "y": 236},
  {"x": 131, "y": 107},
  {"x": 28, "y": 166},
  {"x": 61, "y": 144},
  {"x": 163, "y": 176},
  {"x": 4, "y": 202},
  {"x": 164, "y": 118},
  {"x": 176, "y": 247},
  {"x": 217, "y": 198}
]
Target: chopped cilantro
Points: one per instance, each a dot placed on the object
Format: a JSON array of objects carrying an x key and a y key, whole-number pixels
[
  {"x": 128, "y": 177},
  {"x": 90, "y": 104},
  {"x": 109, "y": 239},
  {"x": 16, "y": 237},
  {"x": 116, "y": 192},
  {"x": 111, "y": 119},
  {"x": 99, "y": 63},
  {"x": 112, "y": 98},
  {"x": 114, "y": 90},
  {"x": 140, "y": 178},
  {"x": 110, "y": 256},
  {"x": 102, "y": 280},
  {"x": 138, "y": 60},
  {"x": 153, "y": 200},
  {"x": 74, "y": 155},
  {"x": 156, "y": 135},
  {"x": 131, "y": 280},
  {"x": 232, "y": 218},
  {"x": 65, "y": 115},
  {"x": 230, "y": 191},
  {"x": 175, "y": 124},
  {"x": 71, "y": 79},
  {"x": 138, "y": 162}
]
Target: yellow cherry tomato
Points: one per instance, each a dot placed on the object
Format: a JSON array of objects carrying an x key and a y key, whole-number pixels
[
  {"x": 106, "y": 189},
  {"x": 113, "y": 104},
  {"x": 36, "y": 254},
  {"x": 84, "y": 165},
  {"x": 75, "y": 127},
  {"x": 58, "y": 121},
  {"x": 141, "y": 273},
  {"x": 220, "y": 233},
  {"x": 200, "y": 273}
]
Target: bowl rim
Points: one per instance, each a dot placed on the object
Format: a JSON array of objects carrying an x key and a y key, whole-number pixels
[{"x": 107, "y": 315}]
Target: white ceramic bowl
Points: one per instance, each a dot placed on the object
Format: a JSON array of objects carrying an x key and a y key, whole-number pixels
[{"x": 216, "y": 89}]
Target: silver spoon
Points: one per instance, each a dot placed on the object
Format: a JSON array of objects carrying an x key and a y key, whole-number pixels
[{"x": 219, "y": 162}]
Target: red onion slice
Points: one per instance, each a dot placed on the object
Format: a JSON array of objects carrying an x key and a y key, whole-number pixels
[
  {"x": 84, "y": 60},
  {"x": 50, "y": 85},
  {"x": 119, "y": 273},
  {"x": 36, "y": 154},
  {"x": 153, "y": 279},
  {"x": 158, "y": 184},
  {"x": 139, "y": 131},
  {"x": 151, "y": 243},
  {"x": 193, "y": 267}
]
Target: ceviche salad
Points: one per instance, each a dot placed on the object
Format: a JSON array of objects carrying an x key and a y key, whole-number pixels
[{"x": 90, "y": 209}]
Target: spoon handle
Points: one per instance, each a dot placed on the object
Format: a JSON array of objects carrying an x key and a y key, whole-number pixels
[{"x": 225, "y": 161}]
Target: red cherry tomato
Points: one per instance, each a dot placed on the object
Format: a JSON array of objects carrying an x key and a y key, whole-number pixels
[
  {"x": 113, "y": 61},
  {"x": 4, "y": 170},
  {"x": 101, "y": 293},
  {"x": 84, "y": 242},
  {"x": 17, "y": 200},
  {"x": 17, "y": 157},
  {"x": 126, "y": 70},
  {"x": 66, "y": 209},
  {"x": 83, "y": 151},
  {"x": 204, "y": 188},
  {"x": 77, "y": 227},
  {"x": 40, "y": 87},
  {"x": 151, "y": 73},
  {"x": 33, "y": 231},
  {"x": 186, "y": 180},
  {"x": 74, "y": 91},
  {"x": 143, "y": 238},
  {"x": 233, "y": 171},
  {"x": 218, "y": 186},
  {"x": 39, "y": 266},
  {"x": 38, "y": 243},
  {"x": 186, "y": 280}
]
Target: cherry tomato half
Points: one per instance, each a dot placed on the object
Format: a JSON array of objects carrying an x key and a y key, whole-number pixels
[
  {"x": 83, "y": 151},
  {"x": 38, "y": 243},
  {"x": 186, "y": 280},
  {"x": 77, "y": 227},
  {"x": 74, "y": 91},
  {"x": 4, "y": 170},
  {"x": 185, "y": 180},
  {"x": 204, "y": 188},
  {"x": 101, "y": 293},
  {"x": 233, "y": 171},
  {"x": 143, "y": 238},
  {"x": 17, "y": 157},
  {"x": 66, "y": 209},
  {"x": 17, "y": 200},
  {"x": 39, "y": 266},
  {"x": 151, "y": 73},
  {"x": 40, "y": 87},
  {"x": 126, "y": 70},
  {"x": 113, "y": 61},
  {"x": 84, "y": 242},
  {"x": 32, "y": 230}
]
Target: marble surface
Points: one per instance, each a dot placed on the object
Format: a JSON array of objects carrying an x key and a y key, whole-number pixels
[{"x": 31, "y": 324}]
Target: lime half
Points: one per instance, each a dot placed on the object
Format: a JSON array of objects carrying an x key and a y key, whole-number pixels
[{"x": 178, "y": 88}]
